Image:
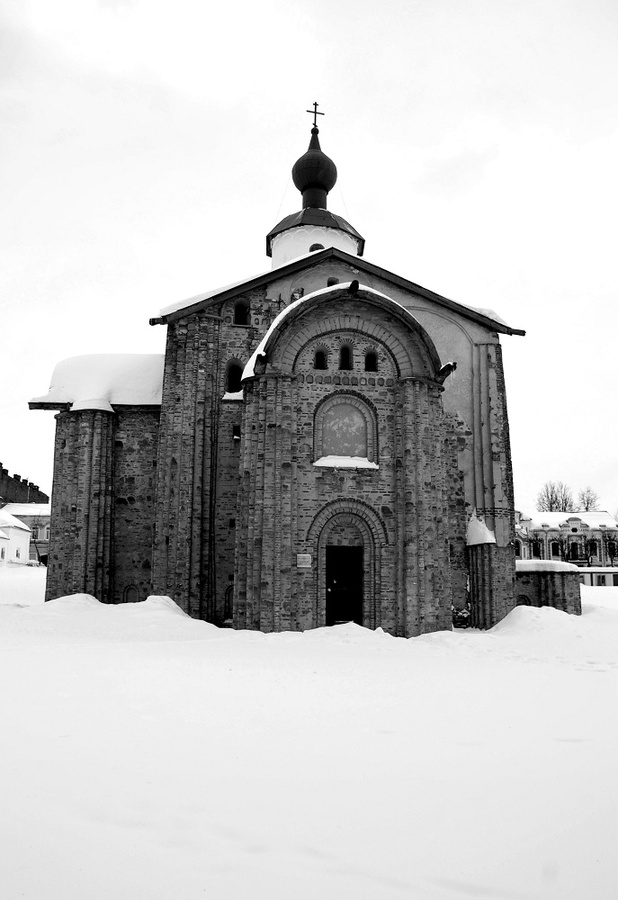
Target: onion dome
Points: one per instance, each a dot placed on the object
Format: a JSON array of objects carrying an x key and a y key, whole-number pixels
[
  {"x": 314, "y": 174},
  {"x": 314, "y": 226}
]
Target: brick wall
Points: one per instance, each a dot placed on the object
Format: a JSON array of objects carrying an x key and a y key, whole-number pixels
[{"x": 548, "y": 583}]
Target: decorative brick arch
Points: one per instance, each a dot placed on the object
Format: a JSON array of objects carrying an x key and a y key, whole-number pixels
[
  {"x": 352, "y": 508},
  {"x": 358, "y": 525}
]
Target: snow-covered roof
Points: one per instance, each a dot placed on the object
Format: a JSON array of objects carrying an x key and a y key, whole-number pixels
[
  {"x": 103, "y": 380},
  {"x": 544, "y": 565},
  {"x": 593, "y": 519},
  {"x": 28, "y": 509},
  {"x": 478, "y": 532},
  {"x": 486, "y": 316},
  {"x": 9, "y": 521},
  {"x": 249, "y": 370}
]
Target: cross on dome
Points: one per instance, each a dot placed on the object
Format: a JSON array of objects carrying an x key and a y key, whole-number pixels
[{"x": 314, "y": 112}]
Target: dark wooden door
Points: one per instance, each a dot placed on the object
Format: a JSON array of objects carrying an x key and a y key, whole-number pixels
[{"x": 344, "y": 585}]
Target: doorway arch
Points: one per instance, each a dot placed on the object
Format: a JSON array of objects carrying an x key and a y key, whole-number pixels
[{"x": 347, "y": 536}]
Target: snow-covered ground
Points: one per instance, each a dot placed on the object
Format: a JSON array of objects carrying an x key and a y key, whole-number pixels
[{"x": 147, "y": 756}]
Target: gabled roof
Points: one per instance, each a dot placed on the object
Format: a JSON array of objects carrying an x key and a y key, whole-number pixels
[
  {"x": 204, "y": 301},
  {"x": 8, "y": 521}
]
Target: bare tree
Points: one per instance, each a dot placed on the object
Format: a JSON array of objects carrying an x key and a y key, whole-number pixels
[
  {"x": 587, "y": 499},
  {"x": 555, "y": 496}
]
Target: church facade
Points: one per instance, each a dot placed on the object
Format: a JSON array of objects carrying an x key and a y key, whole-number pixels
[{"x": 325, "y": 442}]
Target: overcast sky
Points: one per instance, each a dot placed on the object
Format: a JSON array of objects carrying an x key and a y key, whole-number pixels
[{"x": 146, "y": 152}]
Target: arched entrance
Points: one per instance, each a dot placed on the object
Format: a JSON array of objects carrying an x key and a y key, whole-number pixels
[{"x": 346, "y": 571}]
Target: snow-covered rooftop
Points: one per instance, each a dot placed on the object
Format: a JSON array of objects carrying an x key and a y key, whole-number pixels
[
  {"x": 362, "y": 265},
  {"x": 101, "y": 380},
  {"x": 593, "y": 519},
  {"x": 9, "y": 521},
  {"x": 544, "y": 565},
  {"x": 27, "y": 509}
]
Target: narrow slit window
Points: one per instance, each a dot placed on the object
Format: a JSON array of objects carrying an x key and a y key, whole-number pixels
[
  {"x": 345, "y": 357},
  {"x": 234, "y": 375},
  {"x": 241, "y": 314},
  {"x": 371, "y": 361},
  {"x": 319, "y": 360}
]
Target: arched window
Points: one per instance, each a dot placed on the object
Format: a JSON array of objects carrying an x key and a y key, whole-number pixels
[
  {"x": 345, "y": 356},
  {"x": 241, "y": 313},
  {"x": 555, "y": 548},
  {"x": 371, "y": 361},
  {"x": 233, "y": 380},
  {"x": 536, "y": 549},
  {"x": 344, "y": 431},
  {"x": 320, "y": 359},
  {"x": 345, "y": 426},
  {"x": 316, "y": 247}
]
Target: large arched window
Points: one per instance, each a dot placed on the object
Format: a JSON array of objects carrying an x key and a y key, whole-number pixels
[{"x": 345, "y": 430}]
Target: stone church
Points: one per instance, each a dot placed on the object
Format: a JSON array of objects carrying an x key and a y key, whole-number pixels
[{"x": 322, "y": 443}]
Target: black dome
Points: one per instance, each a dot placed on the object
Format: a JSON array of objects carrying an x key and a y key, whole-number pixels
[{"x": 314, "y": 174}]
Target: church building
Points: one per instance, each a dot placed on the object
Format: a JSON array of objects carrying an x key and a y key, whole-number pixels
[{"x": 325, "y": 442}]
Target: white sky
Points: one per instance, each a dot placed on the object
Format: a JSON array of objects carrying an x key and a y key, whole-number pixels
[{"x": 147, "y": 147}]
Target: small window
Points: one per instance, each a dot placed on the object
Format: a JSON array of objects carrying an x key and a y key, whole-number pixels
[
  {"x": 2, "y": 553},
  {"x": 574, "y": 554},
  {"x": 35, "y": 533},
  {"x": 241, "y": 313},
  {"x": 555, "y": 548},
  {"x": 332, "y": 280},
  {"x": 518, "y": 549},
  {"x": 536, "y": 549},
  {"x": 17, "y": 553},
  {"x": 234, "y": 375},
  {"x": 345, "y": 357},
  {"x": 593, "y": 548},
  {"x": 235, "y": 432},
  {"x": 371, "y": 361},
  {"x": 316, "y": 247},
  {"x": 319, "y": 360}
]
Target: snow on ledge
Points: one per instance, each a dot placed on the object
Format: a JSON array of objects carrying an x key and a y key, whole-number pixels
[
  {"x": 345, "y": 462},
  {"x": 233, "y": 395},
  {"x": 478, "y": 532},
  {"x": 544, "y": 565},
  {"x": 100, "y": 380}
]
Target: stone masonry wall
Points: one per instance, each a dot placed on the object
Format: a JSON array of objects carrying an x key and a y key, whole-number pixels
[
  {"x": 548, "y": 584},
  {"x": 402, "y": 507},
  {"x": 80, "y": 557},
  {"x": 135, "y": 455}
]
